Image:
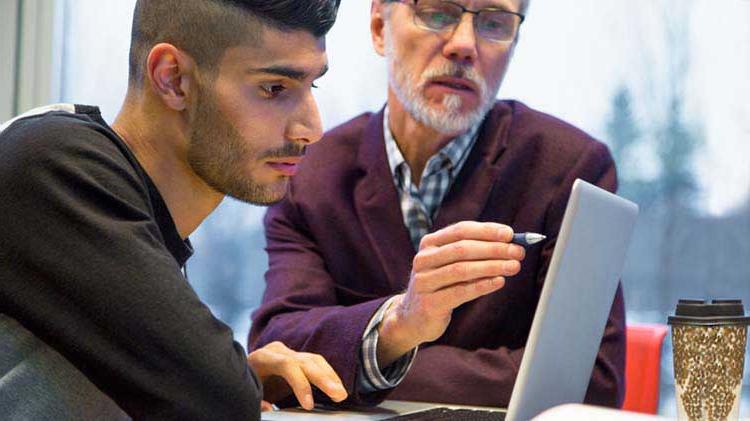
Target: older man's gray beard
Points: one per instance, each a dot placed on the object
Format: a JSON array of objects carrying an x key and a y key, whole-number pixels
[{"x": 449, "y": 119}]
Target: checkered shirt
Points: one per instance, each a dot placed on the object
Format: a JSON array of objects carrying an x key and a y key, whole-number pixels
[{"x": 419, "y": 206}]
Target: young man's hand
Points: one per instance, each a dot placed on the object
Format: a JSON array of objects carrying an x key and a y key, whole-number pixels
[{"x": 283, "y": 371}]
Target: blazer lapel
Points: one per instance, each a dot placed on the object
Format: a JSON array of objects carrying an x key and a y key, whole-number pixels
[
  {"x": 470, "y": 191},
  {"x": 377, "y": 202}
]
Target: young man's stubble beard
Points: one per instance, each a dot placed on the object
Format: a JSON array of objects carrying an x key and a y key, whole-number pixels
[{"x": 222, "y": 158}]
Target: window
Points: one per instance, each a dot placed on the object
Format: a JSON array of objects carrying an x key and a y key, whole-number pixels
[{"x": 663, "y": 83}]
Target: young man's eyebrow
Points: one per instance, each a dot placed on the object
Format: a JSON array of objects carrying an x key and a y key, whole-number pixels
[{"x": 287, "y": 71}]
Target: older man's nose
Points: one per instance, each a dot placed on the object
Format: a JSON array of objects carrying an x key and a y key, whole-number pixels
[{"x": 462, "y": 44}]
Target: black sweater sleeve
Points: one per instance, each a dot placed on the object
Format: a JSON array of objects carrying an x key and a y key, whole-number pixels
[{"x": 84, "y": 266}]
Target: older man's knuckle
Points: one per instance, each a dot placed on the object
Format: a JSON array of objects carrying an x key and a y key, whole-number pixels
[
  {"x": 460, "y": 251},
  {"x": 457, "y": 270}
]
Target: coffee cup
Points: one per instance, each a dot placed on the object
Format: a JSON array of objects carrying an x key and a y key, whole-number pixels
[{"x": 708, "y": 340}]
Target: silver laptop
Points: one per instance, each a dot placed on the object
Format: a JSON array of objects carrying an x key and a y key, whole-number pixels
[{"x": 569, "y": 322}]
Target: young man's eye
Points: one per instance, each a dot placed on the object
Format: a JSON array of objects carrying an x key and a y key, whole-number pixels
[{"x": 272, "y": 90}]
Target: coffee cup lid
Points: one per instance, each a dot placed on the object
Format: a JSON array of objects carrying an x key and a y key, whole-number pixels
[{"x": 709, "y": 313}]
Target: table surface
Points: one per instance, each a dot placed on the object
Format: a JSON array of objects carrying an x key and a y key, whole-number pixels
[
  {"x": 385, "y": 410},
  {"x": 391, "y": 408}
]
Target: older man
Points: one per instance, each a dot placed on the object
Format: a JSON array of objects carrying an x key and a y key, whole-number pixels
[
  {"x": 96, "y": 317},
  {"x": 391, "y": 255}
]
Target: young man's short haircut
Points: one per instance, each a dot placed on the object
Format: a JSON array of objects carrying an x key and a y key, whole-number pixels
[{"x": 206, "y": 28}]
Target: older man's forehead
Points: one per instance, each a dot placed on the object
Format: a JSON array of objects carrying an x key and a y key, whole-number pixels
[{"x": 501, "y": 4}]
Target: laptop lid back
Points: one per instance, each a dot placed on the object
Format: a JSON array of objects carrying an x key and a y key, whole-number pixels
[{"x": 575, "y": 301}]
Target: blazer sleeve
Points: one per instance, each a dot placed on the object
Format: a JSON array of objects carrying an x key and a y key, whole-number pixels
[
  {"x": 465, "y": 375},
  {"x": 300, "y": 306}
]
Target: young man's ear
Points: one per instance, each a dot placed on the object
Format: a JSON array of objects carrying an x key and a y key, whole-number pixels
[
  {"x": 170, "y": 74},
  {"x": 377, "y": 26}
]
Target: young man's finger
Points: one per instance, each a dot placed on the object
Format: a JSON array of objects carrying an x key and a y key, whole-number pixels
[
  {"x": 297, "y": 380},
  {"x": 265, "y": 406},
  {"x": 323, "y": 376}
]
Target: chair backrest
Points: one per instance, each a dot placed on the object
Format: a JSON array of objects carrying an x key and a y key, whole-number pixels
[
  {"x": 642, "y": 366},
  {"x": 36, "y": 382}
]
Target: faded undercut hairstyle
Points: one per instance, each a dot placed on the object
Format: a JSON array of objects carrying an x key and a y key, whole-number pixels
[{"x": 206, "y": 28}]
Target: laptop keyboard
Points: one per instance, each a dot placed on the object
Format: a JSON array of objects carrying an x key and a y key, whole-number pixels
[{"x": 438, "y": 414}]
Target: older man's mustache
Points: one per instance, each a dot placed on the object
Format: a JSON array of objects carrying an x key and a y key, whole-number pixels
[{"x": 456, "y": 70}]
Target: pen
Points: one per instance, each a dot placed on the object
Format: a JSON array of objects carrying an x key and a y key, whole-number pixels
[{"x": 527, "y": 238}]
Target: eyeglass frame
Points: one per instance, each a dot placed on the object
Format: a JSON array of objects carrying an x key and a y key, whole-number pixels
[{"x": 413, "y": 4}]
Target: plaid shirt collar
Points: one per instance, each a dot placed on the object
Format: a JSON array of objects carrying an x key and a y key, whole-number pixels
[{"x": 453, "y": 155}]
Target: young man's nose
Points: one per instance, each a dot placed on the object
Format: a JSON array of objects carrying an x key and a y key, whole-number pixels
[{"x": 305, "y": 125}]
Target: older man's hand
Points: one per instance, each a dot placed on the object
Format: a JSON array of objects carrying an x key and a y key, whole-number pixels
[
  {"x": 283, "y": 372},
  {"x": 453, "y": 266}
]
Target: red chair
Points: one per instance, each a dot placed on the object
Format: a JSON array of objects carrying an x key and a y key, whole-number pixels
[{"x": 642, "y": 365}]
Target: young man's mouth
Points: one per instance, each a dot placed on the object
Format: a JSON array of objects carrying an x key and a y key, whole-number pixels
[{"x": 286, "y": 166}]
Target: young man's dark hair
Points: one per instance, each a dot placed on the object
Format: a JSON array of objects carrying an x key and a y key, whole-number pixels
[{"x": 217, "y": 21}]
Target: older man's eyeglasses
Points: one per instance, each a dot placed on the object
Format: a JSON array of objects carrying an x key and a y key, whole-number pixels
[{"x": 493, "y": 24}]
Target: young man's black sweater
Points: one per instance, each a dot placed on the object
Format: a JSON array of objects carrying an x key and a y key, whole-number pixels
[{"x": 90, "y": 263}]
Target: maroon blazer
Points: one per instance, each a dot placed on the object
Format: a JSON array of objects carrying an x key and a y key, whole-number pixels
[{"x": 338, "y": 248}]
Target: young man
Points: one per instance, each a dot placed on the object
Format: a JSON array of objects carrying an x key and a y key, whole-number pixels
[
  {"x": 95, "y": 218},
  {"x": 396, "y": 232}
]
